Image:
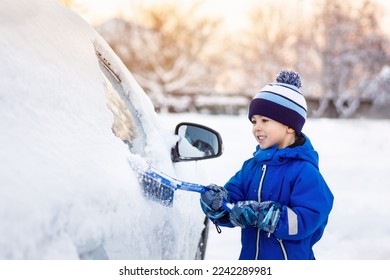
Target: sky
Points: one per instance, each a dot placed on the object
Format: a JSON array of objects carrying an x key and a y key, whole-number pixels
[{"x": 66, "y": 183}]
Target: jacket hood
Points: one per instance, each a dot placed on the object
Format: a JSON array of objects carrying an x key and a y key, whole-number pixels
[{"x": 274, "y": 156}]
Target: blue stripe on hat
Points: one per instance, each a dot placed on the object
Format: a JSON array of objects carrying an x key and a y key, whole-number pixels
[{"x": 283, "y": 101}]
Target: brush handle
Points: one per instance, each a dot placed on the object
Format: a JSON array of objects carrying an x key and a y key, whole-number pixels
[
  {"x": 192, "y": 187},
  {"x": 176, "y": 184}
]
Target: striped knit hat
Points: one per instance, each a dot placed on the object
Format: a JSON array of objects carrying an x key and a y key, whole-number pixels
[{"x": 281, "y": 101}]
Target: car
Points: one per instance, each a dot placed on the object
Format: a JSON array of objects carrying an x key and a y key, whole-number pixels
[{"x": 76, "y": 127}]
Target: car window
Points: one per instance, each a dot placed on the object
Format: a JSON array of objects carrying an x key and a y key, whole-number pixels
[{"x": 126, "y": 126}]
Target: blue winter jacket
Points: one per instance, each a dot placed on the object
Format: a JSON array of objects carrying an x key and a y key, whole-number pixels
[{"x": 291, "y": 177}]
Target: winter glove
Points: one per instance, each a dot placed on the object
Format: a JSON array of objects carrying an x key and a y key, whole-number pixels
[
  {"x": 269, "y": 221},
  {"x": 245, "y": 213},
  {"x": 212, "y": 199},
  {"x": 252, "y": 213}
]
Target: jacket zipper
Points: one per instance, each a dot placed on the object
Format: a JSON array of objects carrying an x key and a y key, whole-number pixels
[
  {"x": 283, "y": 249},
  {"x": 264, "y": 168}
]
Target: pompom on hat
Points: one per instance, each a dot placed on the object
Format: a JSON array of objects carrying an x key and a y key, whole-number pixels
[{"x": 282, "y": 101}]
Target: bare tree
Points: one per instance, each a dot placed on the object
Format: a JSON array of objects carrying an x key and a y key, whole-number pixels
[
  {"x": 168, "y": 51},
  {"x": 339, "y": 51},
  {"x": 271, "y": 42},
  {"x": 352, "y": 52}
]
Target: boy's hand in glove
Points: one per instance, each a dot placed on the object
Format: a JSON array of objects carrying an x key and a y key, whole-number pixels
[
  {"x": 264, "y": 215},
  {"x": 245, "y": 213},
  {"x": 212, "y": 199},
  {"x": 270, "y": 221}
]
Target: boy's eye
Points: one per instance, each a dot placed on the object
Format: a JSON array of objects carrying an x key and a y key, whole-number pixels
[
  {"x": 264, "y": 120},
  {"x": 253, "y": 121}
]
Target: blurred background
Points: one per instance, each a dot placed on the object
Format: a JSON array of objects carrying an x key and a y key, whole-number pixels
[{"x": 213, "y": 56}]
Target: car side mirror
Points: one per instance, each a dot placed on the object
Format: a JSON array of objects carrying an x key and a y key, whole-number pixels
[{"x": 196, "y": 142}]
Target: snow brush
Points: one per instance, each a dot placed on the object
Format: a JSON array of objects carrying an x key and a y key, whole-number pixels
[{"x": 161, "y": 187}]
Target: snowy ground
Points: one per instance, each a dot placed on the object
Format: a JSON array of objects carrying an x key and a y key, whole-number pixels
[{"x": 354, "y": 159}]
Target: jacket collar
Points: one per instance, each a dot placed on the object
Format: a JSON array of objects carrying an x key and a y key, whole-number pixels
[{"x": 272, "y": 155}]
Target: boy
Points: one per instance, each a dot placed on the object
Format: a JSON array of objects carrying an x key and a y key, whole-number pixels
[{"x": 281, "y": 201}]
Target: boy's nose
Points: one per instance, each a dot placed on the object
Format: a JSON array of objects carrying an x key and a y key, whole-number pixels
[{"x": 257, "y": 126}]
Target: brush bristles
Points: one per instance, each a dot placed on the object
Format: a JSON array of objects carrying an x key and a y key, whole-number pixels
[{"x": 154, "y": 190}]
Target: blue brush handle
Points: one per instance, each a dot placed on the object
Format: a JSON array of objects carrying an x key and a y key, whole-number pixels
[
  {"x": 201, "y": 189},
  {"x": 176, "y": 184},
  {"x": 192, "y": 187}
]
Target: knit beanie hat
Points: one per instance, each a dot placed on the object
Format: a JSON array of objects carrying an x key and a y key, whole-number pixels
[{"x": 281, "y": 101}]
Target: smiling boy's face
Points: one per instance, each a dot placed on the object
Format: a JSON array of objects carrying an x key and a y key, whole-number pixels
[{"x": 269, "y": 132}]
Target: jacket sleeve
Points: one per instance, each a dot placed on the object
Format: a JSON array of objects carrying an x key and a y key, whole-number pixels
[
  {"x": 309, "y": 207},
  {"x": 234, "y": 188}
]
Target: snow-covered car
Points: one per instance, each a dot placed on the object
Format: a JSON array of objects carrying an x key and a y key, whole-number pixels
[{"x": 74, "y": 125}]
